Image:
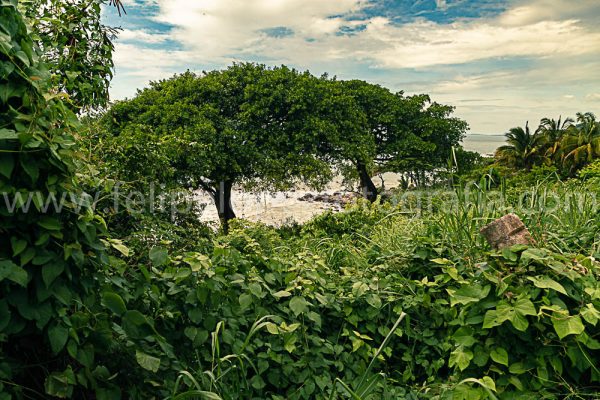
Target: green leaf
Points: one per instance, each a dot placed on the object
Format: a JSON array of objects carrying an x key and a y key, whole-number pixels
[
  {"x": 255, "y": 289},
  {"x": 533, "y": 254},
  {"x": 272, "y": 328},
  {"x": 18, "y": 245},
  {"x": 52, "y": 271},
  {"x": 488, "y": 383},
  {"x": 49, "y": 223},
  {"x": 11, "y": 271},
  {"x": 522, "y": 307},
  {"x": 135, "y": 317},
  {"x": 515, "y": 313},
  {"x": 468, "y": 294},
  {"x": 60, "y": 384},
  {"x": 460, "y": 358},
  {"x": 373, "y": 300},
  {"x": 566, "y": 325},
  {"x": 196, "y": 315},
  {"x": 500, "y": 356},
  {"x": 518, "y": 368},
  {"x": 590, "y": 314},
  {"x": 516, "y": 382},
  {"x": 114, "y": 303},
  {"x": 147, "y": 361},
  {"x": 120, "y": 247},
  {"x": 315, "y": 317},
  {"x": 509, "y": 254},
  {"x": 4, "y": 314},
  {"x": 298, "y": 305},
  {"x": 492, "y": 319},
  {"x": 8, "y": 134},
  {"x": 359, "y": 288},
  {"x": 545, "y": 282},
  {"x": 7, "y": 164},
  {"x": 31, "y": 168},
  {"x": 190, "y": 332},
  {"x": 245, "y": 300},
  {"x": 85, "y": 355},
  {"x": 158, "y": 256},
  {"x": 58, "y": 336},
  {"x": 464, "y": 336},
  {"x": 282, "y": 293}
]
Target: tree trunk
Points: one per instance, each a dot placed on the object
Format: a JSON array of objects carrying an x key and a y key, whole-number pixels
[
  {"x": 222, "y": 200},
  {"x": 366, "y": 184}
]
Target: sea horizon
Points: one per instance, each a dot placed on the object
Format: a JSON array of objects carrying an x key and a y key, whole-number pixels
[{"x": 483, "y": 143}]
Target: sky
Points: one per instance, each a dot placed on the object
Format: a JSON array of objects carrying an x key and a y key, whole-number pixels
[{"x": 499, "y": 62}]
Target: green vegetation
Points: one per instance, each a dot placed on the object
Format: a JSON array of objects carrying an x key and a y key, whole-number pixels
[
  {"x": 270, "y": 128},
  {"x": 567, "y": 145},
  {"x": 395, "y": 299}
]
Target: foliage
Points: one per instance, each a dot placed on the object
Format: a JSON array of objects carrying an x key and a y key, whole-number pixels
[
  {"x": 76, "y": 46},
  {"x": 48, "y": 331},
  {"x": 522, "y": 150},
  {"x": 565, "y": 144},
  {"x": 582, "y": 144},
  {"x": 58, "y": 336},
  {"x": 266, "y": 317},
  {"x": 381, "y": 301},
  {"x": 411, "y": 134},
  {"x": 590, "y": 171},
  {"x": 246, "y": 125}
]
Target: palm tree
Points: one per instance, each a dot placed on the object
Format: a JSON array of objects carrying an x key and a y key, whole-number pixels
[
  {"x": 582, "y": 142},
  {"x": 552, "y": 132},
  {"x": 522, "y": 150}
]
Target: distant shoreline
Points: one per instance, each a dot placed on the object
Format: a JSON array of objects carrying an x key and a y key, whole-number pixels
[{"x": 483, "y": 143}]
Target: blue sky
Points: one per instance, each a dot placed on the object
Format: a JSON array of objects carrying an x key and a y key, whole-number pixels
[{"x": 500, "y": 62}]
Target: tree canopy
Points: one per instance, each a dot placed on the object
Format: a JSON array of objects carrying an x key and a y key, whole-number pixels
[
  {"x": 247, "y": 125},
  {"x": 567, "y": 144},
  {"x": 270, "y": 128}
]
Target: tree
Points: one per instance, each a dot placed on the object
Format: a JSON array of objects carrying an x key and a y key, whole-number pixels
[
  {"x": 552, "y": 132},
  {"x": 76, "y": 46},
  {"x": 401, "y": 133},
  {"x": 522, "y": 150},
  {"x": 261, "y": 128},
  {"x": 435, "y": 132},
  {"x": 582, "y": 142}
]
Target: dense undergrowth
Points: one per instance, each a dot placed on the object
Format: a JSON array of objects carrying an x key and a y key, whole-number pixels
[{"x": 300, "y": 312}]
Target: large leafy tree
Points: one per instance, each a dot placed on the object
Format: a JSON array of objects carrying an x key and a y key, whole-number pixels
[
  {"x": 247, "y": 125},
  {"x": 432, "y": 134},
  {"x": 522, "y": 149},
  {"x": 404, "y": 134}
]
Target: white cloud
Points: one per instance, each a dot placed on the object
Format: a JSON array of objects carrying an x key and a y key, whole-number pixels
[
  {"x": 219, "y": 31},
  {"x": 556, "y": 36},
  {"x": 441, "y": 4},
  {"x": 142, "y": 36},
  {"x": 424, "y": 44},
  {"x": 223, "y": 30},
  {"x": 532, "y": 11}
]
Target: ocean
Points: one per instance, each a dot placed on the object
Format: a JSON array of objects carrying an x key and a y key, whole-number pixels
[{"x": 483, "y": 144}]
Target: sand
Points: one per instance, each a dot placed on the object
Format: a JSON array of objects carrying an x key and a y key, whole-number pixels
[{"x": 279, "y": 208}]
